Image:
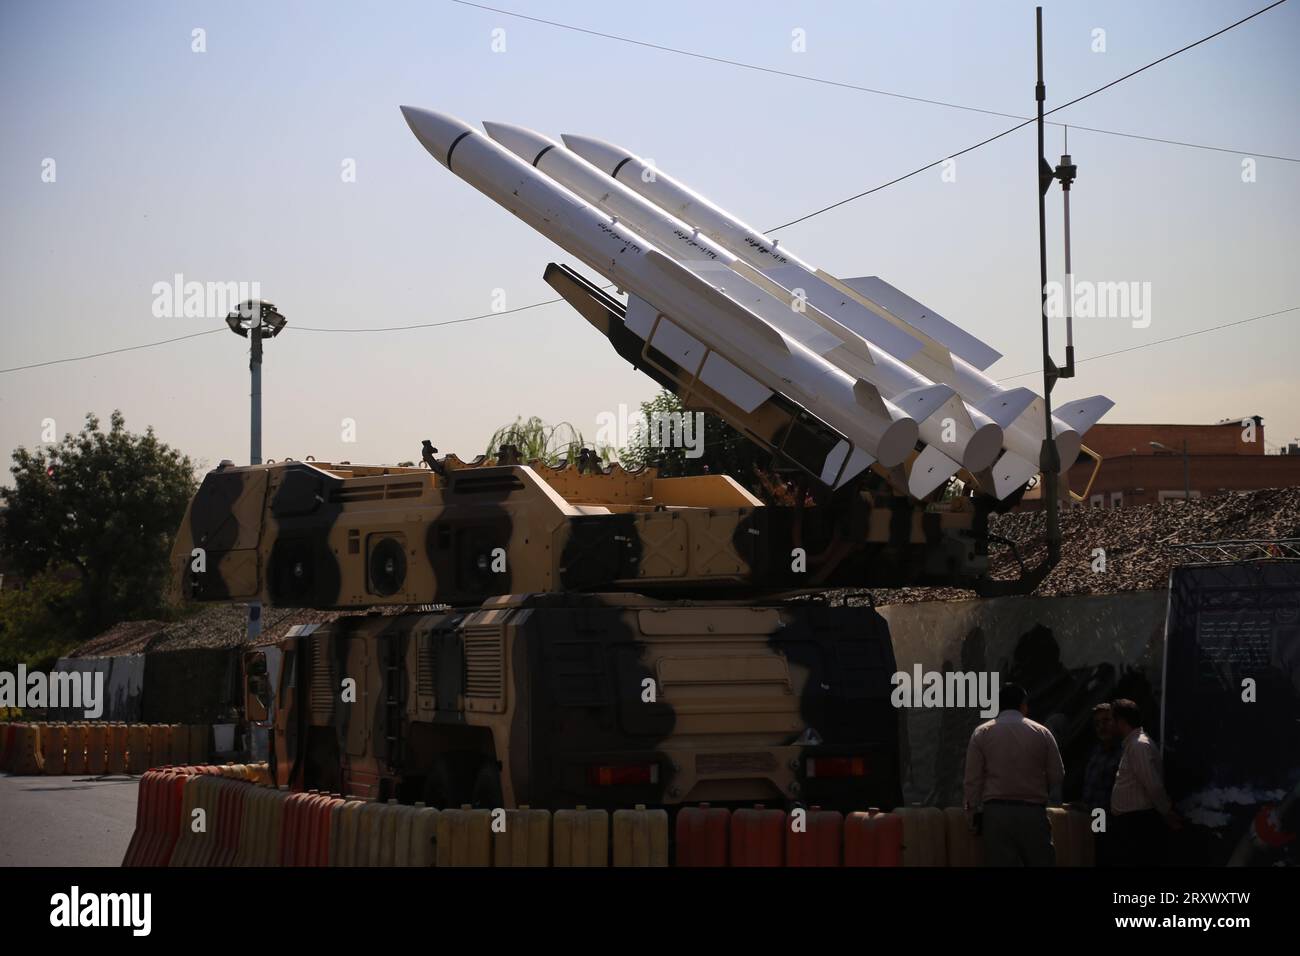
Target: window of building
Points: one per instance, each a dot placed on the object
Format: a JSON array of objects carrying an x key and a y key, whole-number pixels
[{"x": 1117, "y": 499}]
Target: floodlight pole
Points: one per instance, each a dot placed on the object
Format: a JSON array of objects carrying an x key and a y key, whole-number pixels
[
  {"x": 255, "y": 395},
  {"x": 254, "y": 629}
]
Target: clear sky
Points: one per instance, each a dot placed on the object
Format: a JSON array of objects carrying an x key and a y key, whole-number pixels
[{"x": 227, "y": 166}]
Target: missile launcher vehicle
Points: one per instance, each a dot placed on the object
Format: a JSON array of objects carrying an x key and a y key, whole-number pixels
[
  {"x": 528, "y": 635},
  {"x": 515, "y": 634}
]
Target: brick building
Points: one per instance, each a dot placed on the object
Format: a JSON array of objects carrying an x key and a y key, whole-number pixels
[{"x": 1145, "y": 464}]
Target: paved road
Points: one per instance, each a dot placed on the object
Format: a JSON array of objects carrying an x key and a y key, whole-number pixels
[{"x": 66, "y": 821}]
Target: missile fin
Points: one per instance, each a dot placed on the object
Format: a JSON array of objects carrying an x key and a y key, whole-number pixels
[
  {"x": 1084, "y": 413},
  {"x": 859, "y": 461},
  {"x": 923, "y": 401},
  {"x": 1010, "y": 472},
  {"x": 675, "y": 272},
  {"x": 927, "y": 320},
  {"x": 1005, "y": 407},
  {"x": 956, "y": 409},
  {"x": 930, "y": 469},
  {"x": 868, "y": 397},
  {"x": 733, "y": 384},
  {"x": 640, "y": 316},
  {"x": 847, "y": 311}
]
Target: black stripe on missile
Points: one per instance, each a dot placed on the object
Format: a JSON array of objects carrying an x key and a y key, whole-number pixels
[
  {"x": 452, "y": 148},
  {"x": 545, "y": 149},
  {"x": 621, "y": 163}
]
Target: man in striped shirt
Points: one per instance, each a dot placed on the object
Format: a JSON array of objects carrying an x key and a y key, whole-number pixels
[{"x": 1141, "y": 812}]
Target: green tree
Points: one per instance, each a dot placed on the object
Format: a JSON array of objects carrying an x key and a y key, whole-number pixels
[
  {"x": 106, "y": 504},
  {"x": 724, "y": 450},
  {"x": 38, "y": 622}
]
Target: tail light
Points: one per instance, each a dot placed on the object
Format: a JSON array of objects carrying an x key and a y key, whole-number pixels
[
  {"x": 620, "y": 774},
  {"x": 830, "y": 767}
]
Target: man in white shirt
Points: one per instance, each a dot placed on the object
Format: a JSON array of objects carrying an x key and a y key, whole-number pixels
[
  {"x": 1141, "y": 812},
  {"x": 1013, "y": 768}
]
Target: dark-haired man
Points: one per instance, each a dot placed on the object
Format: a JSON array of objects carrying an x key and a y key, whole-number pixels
[
  {"x": 1013, "y": 768},
  {"x": 1141, "y": 811},
  {"x": 1099, "y": 774}
]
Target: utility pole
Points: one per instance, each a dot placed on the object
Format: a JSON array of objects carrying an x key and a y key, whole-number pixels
[{"x": 1049, "y": 459}]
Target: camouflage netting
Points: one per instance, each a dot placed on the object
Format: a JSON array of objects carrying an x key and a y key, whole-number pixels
[
  {"x": 1137, "y": 542},
  {"x": 212, "y": 626}
]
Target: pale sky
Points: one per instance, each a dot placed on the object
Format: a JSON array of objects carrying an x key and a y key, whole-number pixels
[{"x": 228, "y": 166}]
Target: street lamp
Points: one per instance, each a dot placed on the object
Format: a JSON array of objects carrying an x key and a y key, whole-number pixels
[
  {"x": 1187, "y": 471},
  {"x": 255, "y": 320}
]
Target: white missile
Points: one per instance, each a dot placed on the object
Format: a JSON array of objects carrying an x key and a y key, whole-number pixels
[
  {"x": 945, "y": 422},
  {"x": 935, "y": 347},
  {"x": 695, "y": 324}
]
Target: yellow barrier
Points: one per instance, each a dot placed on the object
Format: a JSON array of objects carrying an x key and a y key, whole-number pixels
[
  {"x": 526, "y": 840},
  {"x": 640, "y": 837},
  {"x": 54, "y": 740},
  {"x": 97, "y": 749},
  {"x": 117, "y": 744},
  {"x": 77, "y": 736},
  {"x": 581, "y": 837},
  {"x": 465, "y": 837}
]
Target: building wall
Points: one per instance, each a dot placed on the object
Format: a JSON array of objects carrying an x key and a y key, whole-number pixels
[
  {"x": 1067, "y": 652},
  {"x": 1116, "y": 440},
  {"x": 1132, "y": 472},
  {"x": 1147, "y": 479}
]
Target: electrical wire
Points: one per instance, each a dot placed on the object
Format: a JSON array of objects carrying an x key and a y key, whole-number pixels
[
  {"x": 1172, "y": 338},
  {"x": 805, "y": 218},
  {"x": 861, "y": 89}
]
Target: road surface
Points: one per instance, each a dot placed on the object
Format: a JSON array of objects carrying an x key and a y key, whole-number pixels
[{"x": 66, "y": 821}]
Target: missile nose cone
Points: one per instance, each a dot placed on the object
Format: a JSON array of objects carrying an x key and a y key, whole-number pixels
[
  {"x": 604, "y": 156},
  {"x": 435, "y": 131},
  {"x": 524, "y": 143}
]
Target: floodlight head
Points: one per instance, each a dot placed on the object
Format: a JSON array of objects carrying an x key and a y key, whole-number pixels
[{"x": 253, "y": 313}]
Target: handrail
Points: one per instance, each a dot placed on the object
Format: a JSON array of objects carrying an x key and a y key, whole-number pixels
[{"x": 1091, "y": 478}]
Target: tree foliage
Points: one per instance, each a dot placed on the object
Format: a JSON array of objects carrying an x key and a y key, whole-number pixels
[
  {"x": 38, "y": 622},
  {"x": 106, "y": 504},
  {"x": 724, "y": 451}
]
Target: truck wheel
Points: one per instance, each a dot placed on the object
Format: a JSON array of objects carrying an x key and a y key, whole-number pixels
[{"x": 487, "y": 787}]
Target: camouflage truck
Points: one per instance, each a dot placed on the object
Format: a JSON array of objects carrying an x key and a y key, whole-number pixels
[
  {"x": 583, "y": 635},
  {"x": 580, "y": 635}
]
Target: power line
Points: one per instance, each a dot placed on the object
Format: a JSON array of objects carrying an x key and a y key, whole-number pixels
[
  {"x": 434, "y": 325},
  {"x": 792, "y": 222},
  {"x": 1172, "y": 338},
  {"x": 866, "y": 89},
  {"x": 129, "y": 348},
  {"x": 985, "y": 142}
]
